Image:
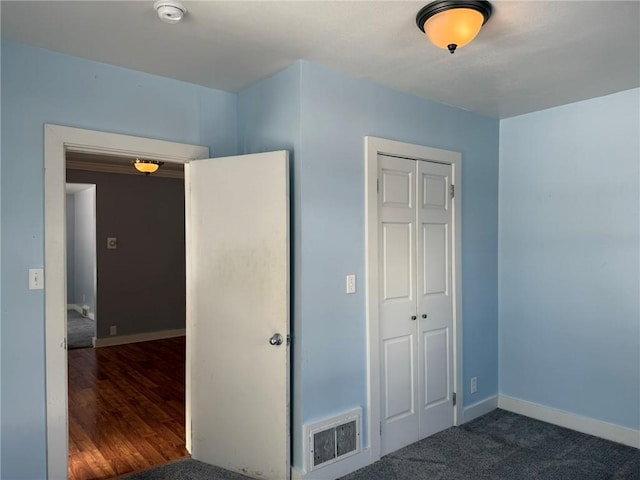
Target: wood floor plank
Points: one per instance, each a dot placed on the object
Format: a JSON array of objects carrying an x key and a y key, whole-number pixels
[{"x": 126, "y": 408}]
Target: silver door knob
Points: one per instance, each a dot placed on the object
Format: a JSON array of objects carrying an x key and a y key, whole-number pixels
[
  {"x": 424, "y": 315},
  {"x": 276, "y": 339},
  {"x": 413, "y": 317}
]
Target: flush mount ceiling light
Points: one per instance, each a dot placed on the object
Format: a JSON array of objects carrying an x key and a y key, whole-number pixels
[
  {"x": 453, "y": 24},
  {"x": 170, "y": 11},
  {"x": 146, "y": 166}
]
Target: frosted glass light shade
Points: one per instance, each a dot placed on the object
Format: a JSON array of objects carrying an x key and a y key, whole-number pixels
[
  {"x": 450, "y": 24},
  {"x": 458, "y": 26}
]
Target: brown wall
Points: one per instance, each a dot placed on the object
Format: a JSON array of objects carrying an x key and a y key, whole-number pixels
[{"x": 141, "y": 284}]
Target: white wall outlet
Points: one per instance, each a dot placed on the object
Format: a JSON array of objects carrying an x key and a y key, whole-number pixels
[
  {"x": 351, "y": 283},
  {"x": 112, "y": 243},
  {"x": 474, "y": 384},
  {"x": 36, "y": 279},
  {"x": 113, "y": 330}
]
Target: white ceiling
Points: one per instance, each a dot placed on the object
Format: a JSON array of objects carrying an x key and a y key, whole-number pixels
[{"x": 529, "y": 56}]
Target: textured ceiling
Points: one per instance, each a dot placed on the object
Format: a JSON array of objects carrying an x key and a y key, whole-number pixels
[{"x": 529, "y": 56}]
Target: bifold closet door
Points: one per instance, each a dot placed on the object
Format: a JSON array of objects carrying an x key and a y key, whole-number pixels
[
  {"x": 397, "y": 280},
  {"x": 435, "y": 306},
  {"x": 415, "y": 300}
]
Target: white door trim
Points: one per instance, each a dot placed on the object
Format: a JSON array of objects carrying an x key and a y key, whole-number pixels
[
  {"x": 373, "y": 147},
  {"x": 58, "y": 140}
]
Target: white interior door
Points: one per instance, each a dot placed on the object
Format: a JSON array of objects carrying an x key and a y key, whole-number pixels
[
  {"x": 435, "y": 305},
  {"x": 416, "y": 309},
  {"x": 397, "y": 273},
  {"x": 237, "y": 301}
]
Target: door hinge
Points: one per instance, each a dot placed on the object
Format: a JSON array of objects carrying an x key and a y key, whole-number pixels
[
  {"x": 452, "y": 190},
  {"x": 454, "y": 398},
  {"x": 378, "y": 185},
  {"x": 288, "y": 339},
  {"x": 380, "y": 428}
]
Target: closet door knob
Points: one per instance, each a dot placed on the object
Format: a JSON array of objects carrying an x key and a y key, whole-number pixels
[
  {"x": 413, "y": 317},
  {"x": 424, "y": 315}
]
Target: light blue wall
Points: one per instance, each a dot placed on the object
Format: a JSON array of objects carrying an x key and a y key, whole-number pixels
[
  {"x": 40, "y": 87},
  {"x": 269, "y": 119},
  {"x": 337, "y": 112},
  {"x": 569, "y": 258}
]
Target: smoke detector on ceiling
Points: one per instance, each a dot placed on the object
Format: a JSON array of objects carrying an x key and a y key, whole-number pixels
[{"x": 170, "y": 11}]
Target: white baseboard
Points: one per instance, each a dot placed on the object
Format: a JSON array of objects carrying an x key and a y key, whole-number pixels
[
  {"x": 598, "y": 428},
  {"x": 479, "y": 408},
  {"x": 335, "y": 470},
  {"x": 138, "y": 337}
]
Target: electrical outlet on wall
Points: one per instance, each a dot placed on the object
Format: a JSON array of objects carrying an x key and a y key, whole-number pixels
[
  {"x": 474, "y": 384},
  {"x": 113, "y": 330}
]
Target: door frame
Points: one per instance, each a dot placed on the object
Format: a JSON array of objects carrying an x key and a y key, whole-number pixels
[
  {"x": 57, "y": 141},
  {"x": 375, "y": 146}
]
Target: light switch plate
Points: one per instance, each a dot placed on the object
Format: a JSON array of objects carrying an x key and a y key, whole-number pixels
[
  {"x": 112, "y": 243},
  {"x": 36, "y": 279}
]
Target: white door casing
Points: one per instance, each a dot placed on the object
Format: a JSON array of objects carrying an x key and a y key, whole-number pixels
[
  {"x": 441, "y": 340},
  {"x": 237, "y": 299},
  {"x": 58, "y": 140}
]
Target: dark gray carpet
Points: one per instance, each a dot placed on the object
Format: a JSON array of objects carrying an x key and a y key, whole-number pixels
[
  {"x": 187, "y": 470},
  {"x": 80, "y": 330},
  {"x": 497, "y": 446},
  {"x": 505, "y": 446}
]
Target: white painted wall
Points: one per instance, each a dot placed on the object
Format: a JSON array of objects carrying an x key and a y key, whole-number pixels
[
  {"x": 71, "y": 253},
  {"x": 85, "y": 248}
]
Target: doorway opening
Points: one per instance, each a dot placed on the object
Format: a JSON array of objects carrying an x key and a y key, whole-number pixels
[{"x": 128, "y": 392}]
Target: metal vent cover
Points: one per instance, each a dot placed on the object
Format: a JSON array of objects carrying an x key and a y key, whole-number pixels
[
  {"x": 346, "y": 438},
  {"x": 332, "y": 439},
  {"x": 324, "y": 446}
]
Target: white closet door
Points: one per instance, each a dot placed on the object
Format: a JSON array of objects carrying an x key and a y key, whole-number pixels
[
  {"x": 416, "y": 309},
  {"x": 435, "y": 307},
  {"x": 397, "y": 273}
]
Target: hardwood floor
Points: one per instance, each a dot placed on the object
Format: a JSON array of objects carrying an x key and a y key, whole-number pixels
[{"x": 126, "y": 408}]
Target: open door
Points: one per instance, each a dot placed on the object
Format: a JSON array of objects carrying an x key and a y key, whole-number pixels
[{"x": 238, "y": 313}]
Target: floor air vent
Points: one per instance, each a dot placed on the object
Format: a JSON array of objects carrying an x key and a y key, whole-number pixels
[{"x": 333, "y": 439}]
